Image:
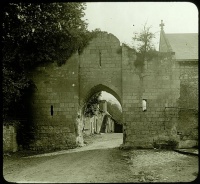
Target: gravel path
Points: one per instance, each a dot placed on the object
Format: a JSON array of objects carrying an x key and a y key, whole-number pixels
[{"x": 163, "y": 166}]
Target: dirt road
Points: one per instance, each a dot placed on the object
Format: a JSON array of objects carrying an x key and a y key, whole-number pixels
[
  {"x": 98, "y": 162},
  {"x": 101, "y": 161}
]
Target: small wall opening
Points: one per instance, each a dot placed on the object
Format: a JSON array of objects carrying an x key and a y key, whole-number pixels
[
  {"x": 51, "y": 110},
  {"x": 144, "y": 105},
  {"x": 100, "y": 58}
]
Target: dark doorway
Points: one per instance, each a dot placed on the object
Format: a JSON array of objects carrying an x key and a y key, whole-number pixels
[{"x": 118, "y": 128}]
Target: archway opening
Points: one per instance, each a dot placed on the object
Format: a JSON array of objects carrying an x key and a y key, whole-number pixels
[
  {"x": 102, "y": 115},
  {"x": 115, "y": 111}
]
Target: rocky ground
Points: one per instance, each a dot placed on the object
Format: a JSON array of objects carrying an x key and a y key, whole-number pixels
[{"x": 102, "y": 161}]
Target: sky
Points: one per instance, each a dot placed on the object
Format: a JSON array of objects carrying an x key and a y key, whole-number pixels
[
  {"x": 118, "y": 18},
  {"x": 110, "y": 98}
]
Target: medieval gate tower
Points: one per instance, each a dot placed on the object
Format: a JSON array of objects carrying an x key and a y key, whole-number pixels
[{"x": 105, "y": 65}]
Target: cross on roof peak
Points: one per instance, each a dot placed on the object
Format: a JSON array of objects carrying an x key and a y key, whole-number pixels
[{"x": 162, "y": 25}]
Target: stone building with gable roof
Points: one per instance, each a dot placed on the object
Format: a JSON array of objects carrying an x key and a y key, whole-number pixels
[{"x": 184, "y": 47}]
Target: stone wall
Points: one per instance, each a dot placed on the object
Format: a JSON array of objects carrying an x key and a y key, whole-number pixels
[
  {"x": 54, "y": 105},
  {"x": 188, "y": 115},
  {"x": 100, "y": 67},
  {"x": 64, "y": 90},
  {"x": 189, "y": 84},
  {"x": 158, "y": 83},
  {"x": 104, "y": 65}
]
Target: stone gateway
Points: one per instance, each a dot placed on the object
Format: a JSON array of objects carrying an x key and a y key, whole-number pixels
[{"x": 105, "y": 65}]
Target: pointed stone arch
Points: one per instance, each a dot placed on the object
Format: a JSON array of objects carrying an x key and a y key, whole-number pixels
[{"x": 97, "y": 88}]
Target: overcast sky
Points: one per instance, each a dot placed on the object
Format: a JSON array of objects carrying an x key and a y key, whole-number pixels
[{"x": 118, "y": 18}]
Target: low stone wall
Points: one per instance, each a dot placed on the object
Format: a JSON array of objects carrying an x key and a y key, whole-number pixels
[{"x": 9, "y": 138}]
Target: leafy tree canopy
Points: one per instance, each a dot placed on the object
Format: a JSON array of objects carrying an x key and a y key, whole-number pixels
[
  {"x": 145, "y": 47},
  {"x": 37, "y": 33},
  {"x": 92, "y": 105}
]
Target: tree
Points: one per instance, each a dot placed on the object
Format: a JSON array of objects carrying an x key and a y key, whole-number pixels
[
  {"x": 91, "y": 106},
  {"x": 33, "y": 34},
  {"x": 145, "y": 48}
]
